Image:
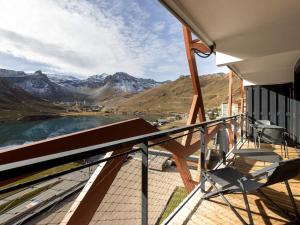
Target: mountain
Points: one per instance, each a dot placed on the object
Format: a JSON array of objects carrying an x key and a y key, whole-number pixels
[
  {"x": 39, "y": 85},
  {"x": 104, "y": 87},
  {"x": 177, "y": 96},
  {"x": 11, "y": 73},
  {"x": 127, "y": 83},
  {"x": 16, "y": 103},
  {"x": 68, "y": 88},
  {"x": 63, "y": 80}
]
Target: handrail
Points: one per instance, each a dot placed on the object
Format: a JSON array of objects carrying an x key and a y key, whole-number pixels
[{"x": 39, "y": 163}]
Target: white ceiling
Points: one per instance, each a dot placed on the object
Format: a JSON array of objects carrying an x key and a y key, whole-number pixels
[{"x": 259, "y": 39}]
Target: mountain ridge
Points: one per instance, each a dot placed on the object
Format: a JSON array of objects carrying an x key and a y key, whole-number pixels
[
  {"x": 16, "y": 103},
  {"x": 176, "y": 96},
  {"x": 95, "y": 88}
]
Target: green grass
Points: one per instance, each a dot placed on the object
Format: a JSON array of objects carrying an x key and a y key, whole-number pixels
[
  {"x": 15, "y": 202},
  {"x": 177, "y": 197},
  {"x": 37, "y": 176}
]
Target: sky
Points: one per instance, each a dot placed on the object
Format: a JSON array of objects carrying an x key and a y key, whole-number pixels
[{"x": 87, "y": 37}]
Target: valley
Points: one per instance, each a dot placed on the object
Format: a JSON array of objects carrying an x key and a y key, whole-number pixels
[{"x": 31, "y": 96}]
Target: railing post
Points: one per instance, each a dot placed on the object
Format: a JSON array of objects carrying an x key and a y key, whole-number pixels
[
  {"x": 144, "y": 147},
  {"x": 242, "y": 128},
  {"x": 247, "y": 126},
  {"x": 223, "y": 141},
  {"x": 202, "y": 161},
  {"x": 203, "y": 146},
  {"x": 235, "y": 132}
]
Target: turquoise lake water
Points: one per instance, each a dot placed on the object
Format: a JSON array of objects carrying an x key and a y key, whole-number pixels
[{"x": 23, "y": 132}]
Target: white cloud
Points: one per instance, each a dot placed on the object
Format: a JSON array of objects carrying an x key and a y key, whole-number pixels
[
  {"x": 72, "y": 36},
  {"x": 88, "y": 37},
  {"x": 159, "y": 26}
]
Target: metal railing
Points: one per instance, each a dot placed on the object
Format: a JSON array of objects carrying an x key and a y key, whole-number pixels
[{"x": 15, "y": 169}]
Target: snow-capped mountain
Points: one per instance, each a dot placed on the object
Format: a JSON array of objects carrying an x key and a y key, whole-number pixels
[
  {"x": 64, "y": 80},
  {"x": 127, "y": 83},
  {"x": 11, "y": 73},
  {"x": 39, "y": 85},
  {"x": 56, "y": 87},
  {"x": 119, "y": 81}
]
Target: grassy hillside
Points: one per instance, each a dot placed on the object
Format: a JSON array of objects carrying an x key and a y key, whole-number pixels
[
  {"x": 177, "y": 96},
  {"x": 16, "y": 103}
]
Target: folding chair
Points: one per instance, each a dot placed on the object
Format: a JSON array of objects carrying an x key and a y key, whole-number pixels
[{"x": 230, "y": 180}]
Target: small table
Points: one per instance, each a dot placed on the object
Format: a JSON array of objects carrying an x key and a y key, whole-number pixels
[
  {"x": 263, "y": 126},
  {"x": 258, "y": 128}
]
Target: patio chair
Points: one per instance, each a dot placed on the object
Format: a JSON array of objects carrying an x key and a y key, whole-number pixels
[
  {"x": 274, "y": 136},
  {"x": 230, "y": 180}
]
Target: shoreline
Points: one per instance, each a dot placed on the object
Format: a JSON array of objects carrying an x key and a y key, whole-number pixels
[{"x": 41, "y": 117}]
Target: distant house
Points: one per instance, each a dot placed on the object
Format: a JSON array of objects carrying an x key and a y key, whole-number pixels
[
  {"x": 235, "y": 109},
  {"x": 162, "y": 121}
]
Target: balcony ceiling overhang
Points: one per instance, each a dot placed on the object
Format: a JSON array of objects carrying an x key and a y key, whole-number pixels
[{"x": 259, "y": 40}]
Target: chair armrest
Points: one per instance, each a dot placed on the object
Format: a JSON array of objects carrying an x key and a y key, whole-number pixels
[
  {"x": 256, "y": 176},
  {"x": 262, "y": 173}
]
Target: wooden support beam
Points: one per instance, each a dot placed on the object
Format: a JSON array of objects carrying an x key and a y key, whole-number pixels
[
  {"x": 197, "y": 106},
  {"x": 200, "y": 47},
  {"x": 86, "y": 204},
  {"x": 242, "y": 92},
  {"x": 186, "y": 140},
  {"x": 89, "y": 199},
  {"x": 229, "y": 103},
  {"x": 242, "y": 108}
]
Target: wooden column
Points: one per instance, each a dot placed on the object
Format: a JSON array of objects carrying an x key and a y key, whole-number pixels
[
  {"x": 242, "y": 109},
  {"x": 197, "y": 107},
  {"x": 242, "y": 92},
  {"x": 229, "y": 103}
]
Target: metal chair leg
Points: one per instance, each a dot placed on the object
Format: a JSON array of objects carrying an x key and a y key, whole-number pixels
[
  {"x": 286, "y": 149},
  {"x": 281, "y": 150},
  {"x": 226, "y": 200},
  {"x": 248, "y": 208},
  {"x": 292, "y": 199}
]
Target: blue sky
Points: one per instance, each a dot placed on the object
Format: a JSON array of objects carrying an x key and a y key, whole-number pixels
[{"x": 87, "y": 37}]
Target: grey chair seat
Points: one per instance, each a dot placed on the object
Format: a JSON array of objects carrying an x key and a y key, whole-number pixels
[
  {"x": 227, "y": 178},
  {"x": 264, "y": 155}
]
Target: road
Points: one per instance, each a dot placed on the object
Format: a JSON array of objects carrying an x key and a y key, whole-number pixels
[{"x": 67, "y": 182}]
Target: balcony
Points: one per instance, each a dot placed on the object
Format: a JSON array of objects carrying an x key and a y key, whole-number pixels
[
  {"x": 117, "y": 181},
  {"x": 132, "y": 173},
  {"x": 216, "y": 211}
]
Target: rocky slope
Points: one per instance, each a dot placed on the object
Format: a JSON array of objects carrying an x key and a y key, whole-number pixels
[
  {"x": 16, "y": 103},
  {"x": 39, "y": 85},
  {"x": 104, "y": 86},
  {"x": 177, "y": 96}
]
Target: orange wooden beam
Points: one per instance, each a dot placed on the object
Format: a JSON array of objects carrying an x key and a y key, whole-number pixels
[
  {"x": 242, "y": 92},
  {"x": 186, "y": 140},
  {"x": 81, "y": 139},
  {"x": 103, "y": 134},
  {"x": 229, "y": 104},
  {"x": 200, "y": 47},
  {"x": 88, "y": 201},
  {"x": 197, "y": 106}
]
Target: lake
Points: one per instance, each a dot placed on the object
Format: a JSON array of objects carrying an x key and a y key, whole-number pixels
[{"x": 18, "y": 133}]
